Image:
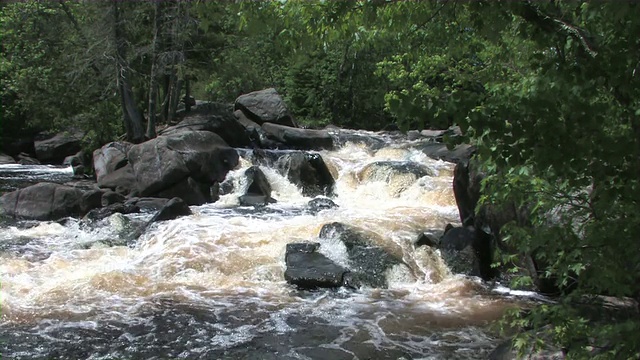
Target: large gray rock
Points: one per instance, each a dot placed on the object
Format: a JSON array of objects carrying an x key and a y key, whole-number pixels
[
  {"x": 55, "y": 149},
  {"x": 110, "y": 158},
  {"x": 48, "y": 201},
  {"x": 6, "y": 159},
  {"x": 121, "y": 180},
  {"x": 307, "y": 171},
  {"x": 296, "y": 138},
  {"x": 215, "y": 118},
  {"x": 190, "y": 190},
  {"x": 308, "y": 269},
  {"x": 165, "y": 161},
  {"x": 467, "y": 250},
  {"x": 265, "y": 106},
  {"x": 440, "y": 151},
  {"x": 368, "y": 264},
  {"x": 258, "y": 190}
]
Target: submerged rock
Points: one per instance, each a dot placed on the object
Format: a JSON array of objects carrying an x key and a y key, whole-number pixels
[
  {"x": 320, "y": 203},
  {"x": 308, "y": 269}
]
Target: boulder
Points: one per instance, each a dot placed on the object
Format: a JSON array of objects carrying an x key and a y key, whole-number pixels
[
  {"x": 427, "y": 239},
  {"x": 296, "y": 138},
  {"x": 55, "y": 149},
  {"x": 6, "y": 159},
  {"x": 161, "y": 163},
  {"x": 25, "y": 159},
  {"x": 190, "y": 190},
  {"x": 265, "y": 106},
  {"x": 308, "y": 269},
  {"x": 257, "y": 182},
  {"x": 389, "y": 171},
  {"x": 74, "y": 160},
  {"x": 255, "y": 200},
  {"x": 307, "y": 171},
  {"x": 14, "y": 146},
  {"x": 370, "y": 141},
  {"x": 318, "y": 204},
  {"x": 107, "y": 211},
  {"x": 467, "y": 250},
  {"x": 122, "y": 180},
  {"x": 368, "y": 263},
  {"x": 147, "y": 204},
  {"x": 110, "y": 158},
  {"x": 215, "y": 118},
  {"x": 173, "y": 209},
  {"x": 110, "y": 198},
  {"x": 47, "y": 201},
  {"x": 440, "y": 151}
]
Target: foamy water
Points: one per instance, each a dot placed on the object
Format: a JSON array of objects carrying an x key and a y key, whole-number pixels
[{"x": 211, "y": 285}]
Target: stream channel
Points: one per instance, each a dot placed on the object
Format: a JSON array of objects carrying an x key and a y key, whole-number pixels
[{"x": 211, "y": 285}]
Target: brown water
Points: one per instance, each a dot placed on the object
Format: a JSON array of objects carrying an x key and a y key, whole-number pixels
[{"x": 211, "y": 285}]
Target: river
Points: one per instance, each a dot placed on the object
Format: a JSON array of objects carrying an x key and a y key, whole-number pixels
[{"x": 211, "y": 285}]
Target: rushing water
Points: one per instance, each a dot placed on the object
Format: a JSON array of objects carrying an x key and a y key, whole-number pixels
[{"x": 211, "y": 285}]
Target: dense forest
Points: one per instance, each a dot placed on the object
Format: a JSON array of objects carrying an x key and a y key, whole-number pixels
[{"x": 548, "y": 92}]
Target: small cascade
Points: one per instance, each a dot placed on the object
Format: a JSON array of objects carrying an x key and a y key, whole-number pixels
[{"x": 211, "y": 285}]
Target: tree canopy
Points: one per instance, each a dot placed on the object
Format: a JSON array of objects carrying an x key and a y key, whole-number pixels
[{"x": 549, "y": 92}]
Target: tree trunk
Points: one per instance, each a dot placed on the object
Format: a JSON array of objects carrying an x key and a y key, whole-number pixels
[
  {"x": 130, "y": 114},
  {"x": 153, "y": 83},
  {"x": 187, "y": 94}
]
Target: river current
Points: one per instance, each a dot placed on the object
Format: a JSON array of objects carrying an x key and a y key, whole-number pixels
[{"x": 211, "y": 285}]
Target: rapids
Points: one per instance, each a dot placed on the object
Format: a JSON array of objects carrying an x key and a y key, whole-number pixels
[{"x": 211, "y": 285}]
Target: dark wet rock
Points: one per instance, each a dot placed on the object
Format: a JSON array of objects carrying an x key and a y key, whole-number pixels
[
  {"x": 370, "y": 141},
  {"x": 413, "y": 135},
  {"x": 387, "y": 171},
  {"x": 123, "y": 180},
  {"x": 45, "y": 201},
  {"x": 265, "y": 106},
  {"x": 466, "y": 189},
  {"x": 307, "y": 171},
  {"x": 296, "y": 138},
  {"x": 173, "y": 209},
  {"x": 147, "y": 204},
  {"x": 192, "y": 191},
  {"x": 91, "y": 199},
  {"x": 110, "y": 158},
  {"x": 368, "y": 262},
  {"x": 25, "y": 159},
  {"x": 215, "y": 118},
  {"x": 14, "y": 146},
  {"x": 247, "y": 123},
  {"x": 111, "y": 197},
  {"x": 440, "y": 151},
  {"x": 105, "y": 212},
  {"x": 467, "y": 250},
  {"x": 165, "y": 161},
  {"x": 257, "y": 182},
  {"x": 55, "y": 149},
  {"x": 309, "y": 269},
  {"x": 255, "y": 200},
  {"x": 320, "y": 203},
  {"x": 258, "y": 188},
  {"x": 6, "y": 159},
  {"x": 429, "y": 239},
  {"x": 74, "y": 160}
]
